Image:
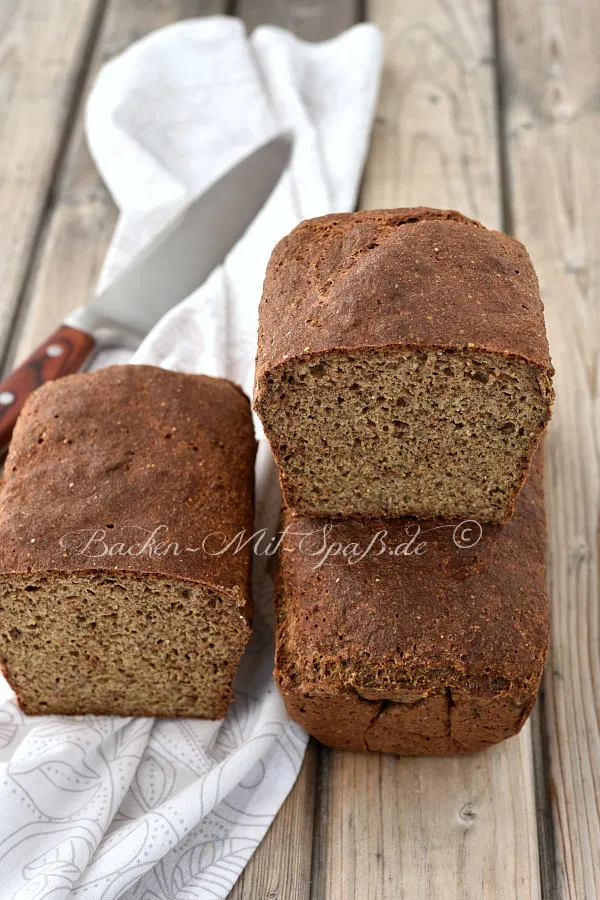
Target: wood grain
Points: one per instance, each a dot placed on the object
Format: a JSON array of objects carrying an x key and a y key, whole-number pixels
[
  {"x": 464, "y": 827},
  {"x": 35, "y": 100},
  {"x": 551, "y": 70},
  {"x": 312, "y": 20},
  {"x": 82, "y": 217},
  {"x": 281, "y": 867}
]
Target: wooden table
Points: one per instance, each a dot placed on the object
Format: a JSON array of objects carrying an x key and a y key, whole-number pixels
[{"x": 490, "y": 106}]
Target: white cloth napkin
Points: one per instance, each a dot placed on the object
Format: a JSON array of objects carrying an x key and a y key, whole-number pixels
[{"x": 106, "y": 807}]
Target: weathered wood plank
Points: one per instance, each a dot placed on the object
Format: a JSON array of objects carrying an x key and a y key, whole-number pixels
[
  {"x": 43, "y": 51},
  {"x": 551, "y": 69},
  {"x": 281, "y": 867},
  {"x": 82, "y": 218},
  {"x": 460, "y": 827},
  {"x": 420, "y": 828},
  {"x": 434, "y": 141},
  {"x": 312, "y": 20}
]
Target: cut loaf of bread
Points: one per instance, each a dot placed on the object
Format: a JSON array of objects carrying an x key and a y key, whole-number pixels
[
  {"x": 402, "y": 366},
  {"x": 433, "y": 652},
  {"x": 108, "y": 604}
]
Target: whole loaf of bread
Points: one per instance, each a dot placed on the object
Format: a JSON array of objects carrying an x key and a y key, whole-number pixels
[
  {"x": 432, "y": 642},
  {"x": 108, "y": 602}
]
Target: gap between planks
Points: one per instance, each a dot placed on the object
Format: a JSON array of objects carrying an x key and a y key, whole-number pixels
[{"x": 311, "y": 20}]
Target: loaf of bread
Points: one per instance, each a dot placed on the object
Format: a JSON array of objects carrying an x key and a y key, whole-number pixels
[
  {"x": 108, "y": 602},
  {"x": 435, "y": 651},
  {"x": 403, "y": 366}
]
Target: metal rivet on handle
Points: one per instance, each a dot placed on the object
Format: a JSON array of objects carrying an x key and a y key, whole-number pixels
[
  {"x": 6, "y": 398},
  {"x": 54, "y": 350}
]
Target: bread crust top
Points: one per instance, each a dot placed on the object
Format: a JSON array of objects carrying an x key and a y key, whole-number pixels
[
  {"x": 414, "y": 278},
  {"x": 124, "y": 450}
]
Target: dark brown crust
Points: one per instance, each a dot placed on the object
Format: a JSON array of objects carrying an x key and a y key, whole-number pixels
[
  {"x": 438, "y": 725},
  {"x": 131, "y": 446},
  {"x": 410, "y": 278},
  {"x": 438, "y": 654}
]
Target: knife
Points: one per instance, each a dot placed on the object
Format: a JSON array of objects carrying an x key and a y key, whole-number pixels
[{"x": 166, "y": 271}]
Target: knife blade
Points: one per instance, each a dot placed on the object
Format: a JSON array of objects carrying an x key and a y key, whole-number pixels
[{"x": 166, "y": 271}]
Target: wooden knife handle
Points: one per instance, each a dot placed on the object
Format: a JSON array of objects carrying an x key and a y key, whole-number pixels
[{"x": 63, "y": 353}]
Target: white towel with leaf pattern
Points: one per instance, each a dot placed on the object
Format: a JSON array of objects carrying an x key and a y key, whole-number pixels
[{"x": 106, "y": 807}]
